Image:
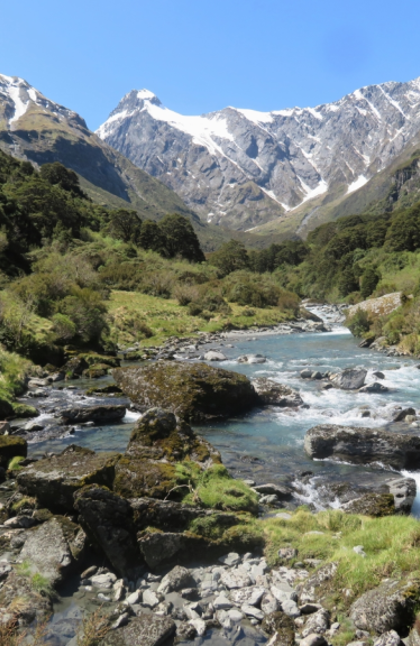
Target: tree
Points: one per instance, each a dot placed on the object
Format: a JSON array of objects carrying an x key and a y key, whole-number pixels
[
  {"x": 58, "y": 175},
  {"x": 125, "y": 225},
  {"x": 370, "y": 278},
  {"x": 231, "y": 256},
  {"x": 152, "y": 237},
  {"x": 181, "y": 239}
]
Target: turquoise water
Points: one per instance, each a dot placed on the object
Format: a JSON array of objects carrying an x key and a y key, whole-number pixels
[{"x": 267, "y": 444}]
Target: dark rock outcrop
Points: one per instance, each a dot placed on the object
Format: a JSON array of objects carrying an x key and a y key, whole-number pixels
[
  {"x": 156, "y": 444},
  {"x": 364, "y": 446},
  {"x": 108, "y": 521},
  {"x": 390, "y": 606},
  {"x": 98, "y": 414},
  {"x": 195, "y": 392},
  {"x": 11, "y": 447},
  {"x": 271, "y": 393},
  {"x": 54, "y": 480}
]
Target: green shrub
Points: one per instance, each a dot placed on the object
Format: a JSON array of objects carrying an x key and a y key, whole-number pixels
[{"x": 359, "y": 323}]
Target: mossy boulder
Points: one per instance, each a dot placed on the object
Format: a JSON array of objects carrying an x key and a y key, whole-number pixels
[
  {"x": 24, "y": 410},
  {"x": 194, "y": 392},
  {"x": 6, "y": 408},
  {"x": 372, "y": 504},
  {"x": 156, "y": 444},
  {"x": 11, "y": 447},
  {"x": 54, "y": 480}
]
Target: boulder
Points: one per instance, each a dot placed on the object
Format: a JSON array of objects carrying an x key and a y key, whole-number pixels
[
  {"x": 10, "y": 447},
  {"x": 375, "y": 387},
  {"x": 156, "y": 444},
  {"x": 165, "y": 548},
  {"x": 271, "y": 393},
  {"x": 390, "y": 606},
  {"x": 168, "y": 515},
  {"x": 53, "y": 549},
  {"x": 363, "y": 446},
  {"x": 391, "y": 638},
  {"x": 214, "y": 355},
  {"x": 54, "y": 480},
  {"x": 404, "y": 491},
  {"x": 400, "y": 415},
  {"x": 372, "y": 504},
  {"x": 97, "y": 414},
  {"x": 176, "y": 579},
  {"x": 251, "y": 358},
  {"x": 282, "y": 493},
  {"x": 108, "y": 520},
  {"x": 143, "y": 630},
  {"x": 349, "y": 379},
  {"x": 195, "y": 392}
]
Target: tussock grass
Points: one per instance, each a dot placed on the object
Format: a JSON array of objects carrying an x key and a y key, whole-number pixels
[{"x": 391, "y": 545}]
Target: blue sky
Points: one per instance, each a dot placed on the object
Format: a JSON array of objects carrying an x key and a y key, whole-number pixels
[{"x": 202, "y": 55}]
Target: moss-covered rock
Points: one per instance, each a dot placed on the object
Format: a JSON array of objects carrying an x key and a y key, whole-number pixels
[
  {"x": 54, "y": 480},
  {"x": 156, "y": 444},
  {"x": 10, "y": 447},
  {"x": 372, "y": 504},
  {"x": 21, "y": 601},
  {"x": 24, "y": 410},
  {"x": 6, "y": 408},
  {"x": 194, "y": 392}
]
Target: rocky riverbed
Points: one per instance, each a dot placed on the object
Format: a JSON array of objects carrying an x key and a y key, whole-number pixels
[{"x": 118, "y": 535}]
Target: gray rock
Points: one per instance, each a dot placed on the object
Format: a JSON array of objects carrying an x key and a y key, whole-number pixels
[
  {"x": 375, "y": 387},
  {"x": 390, "y": 638},
  {"x": 313, "y": 640},
  {"x": 363, "y": 446},
  {"x": 309, "y": 590},
  {"x": 97, "y": 414},
  {"x": 213, "y": 355},
  {"x": 151, "y": 598},
  {"x": 251, "y": 358},
  {"x": 400, "y": 415},
  {"x": 235, "y": 615},
  {"x": 387, "y": 607},
  {"x": 318, "y": 623},
  {"x": 222, "y": 602},
  {"x": 282, "y": 493},
  {"x": 378, "y": 374},
  {"x": 104, "y": 581},
  {"x": 134, "y": 597},
  {"x": 230, "y": 559},
  {"x": 283, "y": 592},
  {"x": 179, "y": 577},
  {"x": 287, "y": 553},
  {"x": 306, "y": 373},
  {"x": 270, "y": 500},
  {"x": 271, "y": 393},
  {"x": 290, "y": 608},
  {"x": 251, "y": 611},
  {"x": 269, "y": 604},
  {"x": 54, "y": 548},
  {"x": 143, "y": 630},
  {"x": 238, "y": 578},
  {"x": 250, "y": 595},
  {"x": 359, "y": 550},
  {"x": 349, "y": 379}
]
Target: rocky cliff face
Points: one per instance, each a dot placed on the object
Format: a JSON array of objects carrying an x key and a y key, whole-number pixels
[{"x": 243, "y": 168}]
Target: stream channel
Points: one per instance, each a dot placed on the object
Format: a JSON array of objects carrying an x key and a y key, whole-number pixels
[{"x": 267, "y": 444}]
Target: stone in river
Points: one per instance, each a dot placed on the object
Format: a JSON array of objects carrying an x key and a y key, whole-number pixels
[
  {"x": 251, "y": 358},
  {"x": 376, "y": 387},
  {"x": 400, "y": 415},
  {"x": 349, "y": 379},
  {"x": 214, "y": 355},
  {"x": 360, "y": 445},
  {"x": 194, "y": 392},
  {"x": 272, "y": 393},
  {"x": 97, "y": 414}
]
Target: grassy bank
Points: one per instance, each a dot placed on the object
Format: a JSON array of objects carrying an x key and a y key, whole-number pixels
[{"x": 135, "y": 316}]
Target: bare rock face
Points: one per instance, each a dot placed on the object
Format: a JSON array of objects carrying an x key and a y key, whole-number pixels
[
  {"x": 194, "y": 392},
  {"x": 390, "y": 606},
  {"x": 375, "y": 447},
  {"x": 241, "y": 168},
  {"x": 272, "y": 393}
]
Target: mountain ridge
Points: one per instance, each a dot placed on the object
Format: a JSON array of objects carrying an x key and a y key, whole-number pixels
[{"x": 244, "y": 168}]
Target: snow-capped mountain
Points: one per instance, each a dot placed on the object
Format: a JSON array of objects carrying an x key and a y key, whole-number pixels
[{"x": 242, "y": 168}]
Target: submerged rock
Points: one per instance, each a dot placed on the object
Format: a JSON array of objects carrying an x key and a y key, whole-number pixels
[
  {"x": 54, "y": 480},
  {"x": 194, "y": 392},
  {"x": 271, "y": 393},
  {"x": 363, "y": 446},
  {"x": 251, "y": 358}
]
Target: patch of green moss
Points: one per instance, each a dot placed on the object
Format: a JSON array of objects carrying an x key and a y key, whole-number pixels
[
  {"x": 135, "y": 478},
  {"x": 24, "y": 410}
]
